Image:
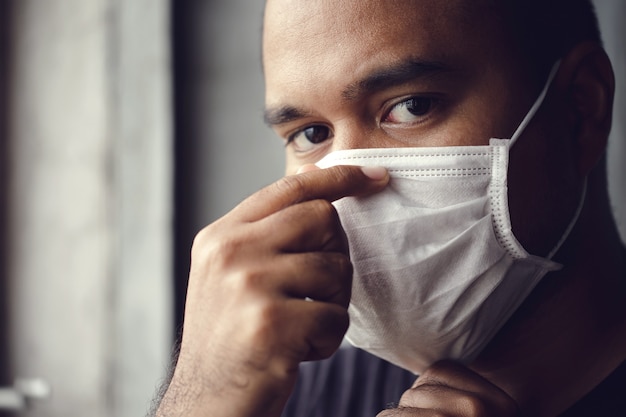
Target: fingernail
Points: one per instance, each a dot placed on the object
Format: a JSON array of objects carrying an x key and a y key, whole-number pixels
[{"x": 375, "y": 173}]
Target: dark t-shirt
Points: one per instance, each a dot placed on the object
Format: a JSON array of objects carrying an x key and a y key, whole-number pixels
[{"x": 353, "y": 383}]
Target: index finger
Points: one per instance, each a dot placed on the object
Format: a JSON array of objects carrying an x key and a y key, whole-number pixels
[
  {"x": 449, "y": 384},
  {"x": 329, "y": 184}
]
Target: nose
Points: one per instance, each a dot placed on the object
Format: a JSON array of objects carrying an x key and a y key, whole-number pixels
[
  {"x": 351, "y": 134},
  {"x": 347, "y": 133}
]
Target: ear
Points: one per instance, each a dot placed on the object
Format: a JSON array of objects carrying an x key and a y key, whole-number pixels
[{"x": 586, "y": 78}]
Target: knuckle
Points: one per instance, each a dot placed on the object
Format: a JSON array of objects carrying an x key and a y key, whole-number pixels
[
  {"x": 208, "y": 242},
  {"x": 473, "y": 406},
  {"x": 352, "y": 177},
  {"x": 292, "y": 185},
  {"x": 335, "y": 265},
  {"x": 245, "y": 280},
  {"x": 322, "y": 263},
  {"x": 437, "y": 371},
  {"x": 201, "y": 239},
  {"x": 412, "y": 396},
  {"x": 266, "y": 317},
  {"x": 406, "y": 412},
  {"x": 224, "y": 257},
  {"x": 342, "y": 272},
  {"x": 220, "y": 254},
  {"x": 346, "y": 173},
  {"x": 329, "y": 331},
  {"x": 428, "y": 374},
  {"x": 327, "y": 220},
  {"x": 336, "y": 271},
  {"x": 345, "y": 266},
  {"x": 262, "y": 320},
  {"x": 259, "y": 330},
  {"x": 324, "y": 211}
]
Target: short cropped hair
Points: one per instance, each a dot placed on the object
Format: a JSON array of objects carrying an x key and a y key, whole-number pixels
[{"x": 546, "y": 30}]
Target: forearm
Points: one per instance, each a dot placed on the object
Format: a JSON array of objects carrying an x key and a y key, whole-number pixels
[
  {"x": 162, "y": 390},
  {"x": 195, "y": 393}
]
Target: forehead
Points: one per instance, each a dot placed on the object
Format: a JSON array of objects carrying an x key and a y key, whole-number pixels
[
  {"x": 362, "y": 17},
  {"x": 311, "y": 41}
]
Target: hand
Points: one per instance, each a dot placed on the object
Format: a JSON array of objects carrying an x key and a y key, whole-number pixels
[
  {"x": 269, "y": 287},
  {"x": 448, "y": 389}
]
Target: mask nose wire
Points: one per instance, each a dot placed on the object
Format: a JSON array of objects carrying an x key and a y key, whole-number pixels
[{"x": 535, "y": 107}]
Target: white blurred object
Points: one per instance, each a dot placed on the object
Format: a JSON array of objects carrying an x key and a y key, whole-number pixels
[{"x": 24, "y": 390}]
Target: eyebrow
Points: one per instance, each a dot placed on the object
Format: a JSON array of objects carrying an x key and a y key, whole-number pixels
[
  {"x": 380, "y": 79},
  {"x": 392, "y": 76},
  {"x": 283, "y": 114}
]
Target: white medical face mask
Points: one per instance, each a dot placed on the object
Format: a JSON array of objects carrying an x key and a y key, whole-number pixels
[{"x": 437, "y": 269}]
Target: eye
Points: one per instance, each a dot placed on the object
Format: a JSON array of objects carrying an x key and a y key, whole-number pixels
[
  {"x": 410, "y": 110},
  {"x": 306, "y": 139}
]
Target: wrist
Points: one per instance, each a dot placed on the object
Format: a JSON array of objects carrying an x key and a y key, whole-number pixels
[{"x": 198, "y": 390}]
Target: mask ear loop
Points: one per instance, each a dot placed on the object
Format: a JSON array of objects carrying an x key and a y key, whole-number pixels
[
  {"x": 535, "y": 108},
  {"x": 518, "y": 132},
  {"x": 573, "y": 222}
]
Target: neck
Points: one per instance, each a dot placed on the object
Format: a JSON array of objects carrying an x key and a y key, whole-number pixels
[{"x": 570, "y": 334}]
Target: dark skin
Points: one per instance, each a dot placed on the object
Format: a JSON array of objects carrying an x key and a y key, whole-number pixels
[{"x": 342, "y": 75}]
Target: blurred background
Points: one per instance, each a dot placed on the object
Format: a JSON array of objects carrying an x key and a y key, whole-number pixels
[{"x": 125, "y": 127}]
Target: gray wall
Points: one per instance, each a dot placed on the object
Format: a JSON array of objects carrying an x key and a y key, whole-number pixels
[
  {"x": 89, "y": 205},
  {"x": 233, "y": 153},
  {"x": 612, "y": 14}
]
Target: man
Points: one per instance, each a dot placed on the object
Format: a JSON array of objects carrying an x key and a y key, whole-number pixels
[{"x": 270, "y": 282}]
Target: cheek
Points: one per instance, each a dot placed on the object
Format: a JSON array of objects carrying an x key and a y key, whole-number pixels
[
  {"x": 487, "y": 109},
  {"x": 543, "y": 189}
]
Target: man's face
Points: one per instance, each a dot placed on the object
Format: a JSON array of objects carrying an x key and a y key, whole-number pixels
[
  {"x": 369, "y": 73},
  {"x": 404, "y": 73}
]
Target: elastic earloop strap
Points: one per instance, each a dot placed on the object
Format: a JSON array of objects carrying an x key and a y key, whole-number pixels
[
  {"x": 572, "y": 223},
  {"x": 535, "y": 108}
]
